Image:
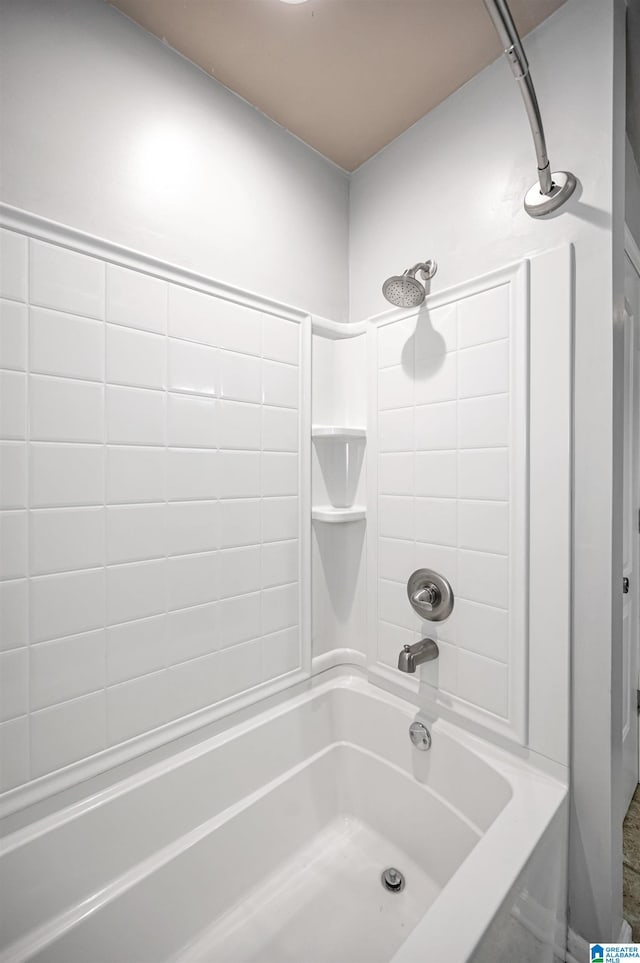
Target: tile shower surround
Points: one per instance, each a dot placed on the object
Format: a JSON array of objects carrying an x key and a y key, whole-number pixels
[
  {"x": 446, "y": 460},
  {"x": 149, "y": 527}
]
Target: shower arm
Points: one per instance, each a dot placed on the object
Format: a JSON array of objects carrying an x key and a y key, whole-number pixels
[
  {"x": 553, "y": 189},
  {"x": 426, "y": 268}
]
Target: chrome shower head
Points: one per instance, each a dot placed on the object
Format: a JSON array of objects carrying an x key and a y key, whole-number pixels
[{"x": 405, "y": 290}]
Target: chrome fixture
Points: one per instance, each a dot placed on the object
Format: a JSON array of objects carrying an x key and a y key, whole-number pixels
[
  {"x": 426, "y": 650},
  {"x": 405, "y": 290},
  {"x": 420, "y": 736},
  {"x": 554, "y": 188},
  {"x": 393, "y": 880},
  {"x": 430, "y": 594}
]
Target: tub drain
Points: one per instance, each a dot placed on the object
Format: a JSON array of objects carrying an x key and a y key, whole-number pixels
[{"x": 393, "y": 880}]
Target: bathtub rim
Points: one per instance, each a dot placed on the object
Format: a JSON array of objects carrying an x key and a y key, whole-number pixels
[
  {"x": 32, "y": 801},
  {"x": 509, "y": 760}
]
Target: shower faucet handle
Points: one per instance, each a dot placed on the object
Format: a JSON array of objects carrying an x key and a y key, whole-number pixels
[{"x": 430, "y": 595}]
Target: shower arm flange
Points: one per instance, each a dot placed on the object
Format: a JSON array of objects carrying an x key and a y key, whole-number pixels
[{"x": 552, "y": 189}]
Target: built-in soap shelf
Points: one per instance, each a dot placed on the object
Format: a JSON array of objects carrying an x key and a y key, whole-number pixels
[
  {"x": 341, "y": 468},
  {"x": 338, "y": 432},
  {"x": 336, "y": 516}
]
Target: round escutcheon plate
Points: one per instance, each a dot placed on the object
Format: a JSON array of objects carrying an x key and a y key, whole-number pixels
[{"x": 430, "y": 595}]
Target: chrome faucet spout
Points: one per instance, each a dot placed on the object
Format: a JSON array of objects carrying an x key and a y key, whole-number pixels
[{"x": 426, "y": 650}]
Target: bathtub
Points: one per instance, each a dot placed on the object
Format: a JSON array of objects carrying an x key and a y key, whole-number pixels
[{"x": 265, "y": 840}]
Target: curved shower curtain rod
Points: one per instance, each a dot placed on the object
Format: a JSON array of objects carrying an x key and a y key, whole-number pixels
[{"x": 553, "y": 188}]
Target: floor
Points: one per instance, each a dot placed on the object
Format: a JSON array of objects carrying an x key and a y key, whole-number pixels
[
  {"x": 317, "y": 906},
  {"x": 631, "y": 857}
]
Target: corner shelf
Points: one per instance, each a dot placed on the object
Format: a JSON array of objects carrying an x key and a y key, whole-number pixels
[
  {"x": 336, "y": 516},
  {"x": 339, "y": 432}
]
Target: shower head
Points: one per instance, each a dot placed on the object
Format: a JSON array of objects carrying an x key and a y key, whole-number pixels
[{"x": 405, "y": 290}]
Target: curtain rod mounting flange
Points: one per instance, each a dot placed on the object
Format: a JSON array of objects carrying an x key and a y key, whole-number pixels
[{"x": 537, "y": 204}]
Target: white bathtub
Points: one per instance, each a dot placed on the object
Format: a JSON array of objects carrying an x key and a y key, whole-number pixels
[{"x": 266, "y": 841}]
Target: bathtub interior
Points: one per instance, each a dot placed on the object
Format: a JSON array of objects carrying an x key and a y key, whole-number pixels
[
  {"x": 269, "y": 835},
  {"x": 328, "y": 893}
]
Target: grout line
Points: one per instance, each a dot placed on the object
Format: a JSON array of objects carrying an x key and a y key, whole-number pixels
[
  {"x": 457, "y": 457},
  {"x": 28, "y": 247},
  {"x": 447, "y": 401},
  {"x": 165, "y": 472},
  {"x": 481, "y": 344},
  {"x": 104, "y": 504},
  {"x": 40, "y": 306},
  {"x": 152, "y": 389},
  {"x": 262, "y": 513}
]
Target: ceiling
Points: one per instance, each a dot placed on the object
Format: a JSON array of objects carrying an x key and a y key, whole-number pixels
[{"x": 345, "y": 76}]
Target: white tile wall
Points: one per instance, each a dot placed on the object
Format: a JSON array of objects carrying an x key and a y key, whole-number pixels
[
  {"x": 239, "y": 618},
  {"x": 191, "y": 422},
  {"x": 65, "y": 345},
  {"x": 137, "y": 706},
  {"x": 14, "y": 682},
  {"x": 135, "y": 358},
  {"x": 14, "y": 614},
  {"x": 13, "y": 335},
  {"x": 239, "y": 377},
  {"x": 67, "y": 668},
  {"x": 13, "y": 405},
  {"x": 66, "y": 280},
  {"x": 281, "y": 649},
  {"x": 136, "y": 648},
  {"x": 65, "y": 475},
  {"x": 279, "y": 563},
  {"x": 192, "y": 580},
  {"x": 279, "y": 429},
  {"x": 240, "y": 571},
  {"x": 444, "y": 471},
  {"x": 191, "y": 474},
  {"x": 13, "y": 265},
  {"x": 135, "y": 475},
  {"x": 13, "y": 544},
  {"x": 192, "y": 527},
  {"x": 66, "y": 539},
  {"x": 192, "y": 367},
  {"x": 192, "y": 632},
  {"x": 279, "y": 473},
  {"x": 136, "y": 300},
  {"x": 136, "y": 532},
  {"x": 66, "y": 604},
  {"x": 279, "y": 519},
  {"x": 135, "y": 416},
  {"x": 65, "y": 410},
  {"x": 13, "y": 474},
  {"x": 149, "y": 531},
  {"x": 63, "y": 733},
  {"x": 239, "y": 474},
  {"x": 136, "y": 590}
]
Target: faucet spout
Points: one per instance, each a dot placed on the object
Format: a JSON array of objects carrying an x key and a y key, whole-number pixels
[{"x": 426, "y": 650}]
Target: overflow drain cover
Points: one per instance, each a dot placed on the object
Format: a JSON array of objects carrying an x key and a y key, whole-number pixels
[{"x": 393, "y": 880}]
